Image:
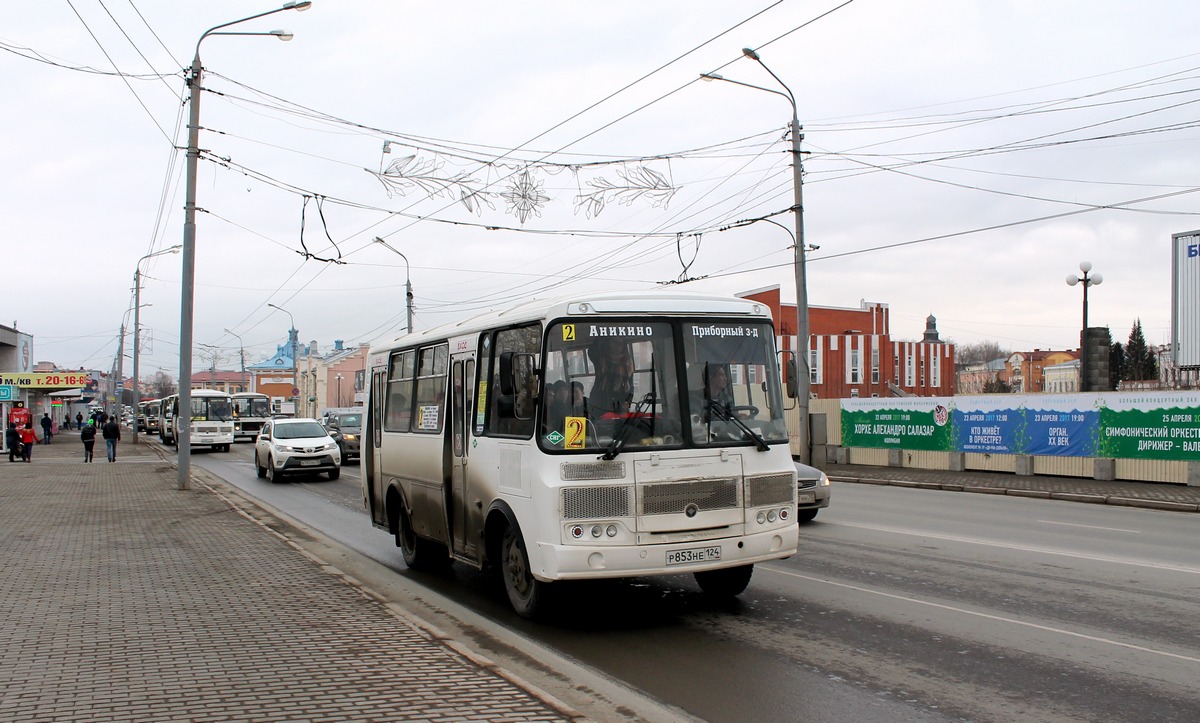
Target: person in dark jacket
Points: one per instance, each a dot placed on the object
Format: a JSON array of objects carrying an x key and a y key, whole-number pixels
[
  {"x": 88, "y": 435},
  {"x": 12, "y": 440},
  {"x": 47, "y": 428},
  {"x": 111, "y": 431}
]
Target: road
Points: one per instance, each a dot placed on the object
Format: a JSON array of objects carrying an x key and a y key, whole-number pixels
[{"x": 905, "y": 605}]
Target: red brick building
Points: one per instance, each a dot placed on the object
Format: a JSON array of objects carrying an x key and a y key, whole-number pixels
[{"x": 852, "y": 352}]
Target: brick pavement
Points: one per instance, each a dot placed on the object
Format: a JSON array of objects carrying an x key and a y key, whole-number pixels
[
  {"x": 1152, "y": 495},
  {"x": 124, "y": 599}
]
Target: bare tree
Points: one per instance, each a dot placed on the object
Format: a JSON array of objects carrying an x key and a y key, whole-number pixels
[
  {"x": 979, "y": 352},
  {"x": 164, "y": 385}
]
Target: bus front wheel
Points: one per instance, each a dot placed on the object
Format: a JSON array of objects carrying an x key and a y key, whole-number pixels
[
  {"x": 526, "y": 593},
  {"x": 727, "y": 583}
]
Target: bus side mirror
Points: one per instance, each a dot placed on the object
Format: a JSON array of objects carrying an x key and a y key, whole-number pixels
[
  {"x": 790, "y": 376},
  {"x": 507, "y": 384}
]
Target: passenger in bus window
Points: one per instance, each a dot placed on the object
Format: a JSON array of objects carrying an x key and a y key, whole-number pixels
[
  {"x": 578, "y": 405},
  {"x": 554, "y": 408},
  {"x": 613, "y": 389}
]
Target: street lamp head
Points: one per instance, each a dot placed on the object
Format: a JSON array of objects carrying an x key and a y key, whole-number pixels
[
  {"x": 299, "y": 6},
  {"x": 749, "y": 53},
  {"x": 1072, "y": 279},
  {"x": 1095, "y": 279},
  {"x": 1085, "y": 266},
  {"x": 284, "y": 35},
  {"x": 711, "y": 77}
]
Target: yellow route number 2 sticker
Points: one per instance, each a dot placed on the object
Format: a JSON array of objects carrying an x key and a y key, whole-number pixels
[
  {"x": 568, "y": 332},
  {"x": 576, "y": 432}
]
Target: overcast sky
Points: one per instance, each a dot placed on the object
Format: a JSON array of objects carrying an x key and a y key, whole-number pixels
[{"x": 962, "y": 157}]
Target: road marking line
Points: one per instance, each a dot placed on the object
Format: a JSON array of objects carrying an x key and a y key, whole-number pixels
[
  {"x": 1025, "y": 548},
  {"x": 987, "y": 616},
  {"x": 1090, "y": 527}
]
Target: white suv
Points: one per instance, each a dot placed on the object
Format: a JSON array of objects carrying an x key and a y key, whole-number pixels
[{"x": 295, "y": 446}]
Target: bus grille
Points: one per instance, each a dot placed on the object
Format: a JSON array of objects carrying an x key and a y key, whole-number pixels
[
  {"x": 772, "y": 489},
  {"x": 675, "y": 497},
  {"x": 589, "y": 503}
]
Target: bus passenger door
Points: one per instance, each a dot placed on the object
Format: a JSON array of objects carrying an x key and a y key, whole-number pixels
[
  {"x": 464, "y": 518},
  {"x": 371, "y": 455}
]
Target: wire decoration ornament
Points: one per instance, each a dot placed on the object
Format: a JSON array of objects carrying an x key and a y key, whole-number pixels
[{"x": 524, "y": 193}]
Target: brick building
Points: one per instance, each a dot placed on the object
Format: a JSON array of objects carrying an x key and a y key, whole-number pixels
[{"x": 852, "y": 352}]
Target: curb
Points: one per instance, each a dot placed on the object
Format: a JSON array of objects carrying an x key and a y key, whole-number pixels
[{"x": 1033, "y": 494}]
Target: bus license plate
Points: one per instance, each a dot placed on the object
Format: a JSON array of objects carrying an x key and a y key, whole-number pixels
[
  {"x": 806, "y": 498},
  {"x": 309, "y": 462},
  {"x": 693, "y": 555}
]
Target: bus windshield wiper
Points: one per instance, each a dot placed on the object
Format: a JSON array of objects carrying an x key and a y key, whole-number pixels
[
  {"x": 724, "y": 413},
  {"x": 618, "y": 440}
]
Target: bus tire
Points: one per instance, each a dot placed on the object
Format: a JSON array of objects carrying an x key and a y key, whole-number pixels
[
  {"x": 526, "y": 594},
  {"x": 418, "y": 553},
  {"x": 726, "y": 583}
]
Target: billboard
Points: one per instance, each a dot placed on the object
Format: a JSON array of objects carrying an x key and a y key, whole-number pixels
[
  {"x": 1185, "y": 293},
  {"x": 1150, "y": 425}
]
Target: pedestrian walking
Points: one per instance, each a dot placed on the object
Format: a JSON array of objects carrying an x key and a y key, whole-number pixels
[
  {"x": 12, "y": 440},
  {"x": 79, "y": 420},
  {"x": 111, "y": 431},
  {"x": 88, "y": 435},
  {"x": 28, "y": 439},
  {"x": 47, "y": 428}
]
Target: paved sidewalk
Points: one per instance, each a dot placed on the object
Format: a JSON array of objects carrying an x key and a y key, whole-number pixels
[
  {"x": 124, "y": 599},
  {"x": 1151, "y": 495}
]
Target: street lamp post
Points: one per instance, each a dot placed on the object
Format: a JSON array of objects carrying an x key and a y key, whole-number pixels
[
  {"x": 1088, "y": 279},
  {"x": 187, "y": 293},
  {"x": 293, "y": 333},
  {"x": 804, "y": 380},
  {"x": 408, "y": 294},
  {"x": 338, "y": 377},
  {"x": 242, "y": 355},
  {"x": 137, "y": 324}
]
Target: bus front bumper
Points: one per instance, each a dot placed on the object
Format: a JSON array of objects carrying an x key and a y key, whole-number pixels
[{"x": 580, "y": 562}]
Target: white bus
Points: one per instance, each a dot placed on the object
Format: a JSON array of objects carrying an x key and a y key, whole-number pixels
[
  {"x": 167, "y": 407},
  {"x": 250, "y": 411},
  {"x": 586, "y": 438},
  {"x": 211, "y": 419},
  {"x": 148, "y": 415}
]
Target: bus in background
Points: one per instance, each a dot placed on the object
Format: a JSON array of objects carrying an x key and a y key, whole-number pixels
[
  {"x": 211, "y": 420},
  {"x": 250, "y": 411},
  {"x": 148, "y": 415},
  {"x": 167, "y": 407},
  {"x": 610, "y": 435}
]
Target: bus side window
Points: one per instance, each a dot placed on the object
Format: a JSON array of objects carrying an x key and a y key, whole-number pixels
[{"x": 514, "y": 381}]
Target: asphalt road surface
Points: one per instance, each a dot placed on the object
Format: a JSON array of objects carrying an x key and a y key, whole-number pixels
[{"x": 904, "y": 605}]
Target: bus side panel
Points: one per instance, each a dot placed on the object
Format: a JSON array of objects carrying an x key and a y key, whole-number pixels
[{"x": 416, "y": 461}]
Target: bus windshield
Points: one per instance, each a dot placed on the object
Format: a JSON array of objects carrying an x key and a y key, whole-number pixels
[
  {"x": 615, "y": 385},
  {"x": 252, "y": 407},
  {"x": 211, "y": 409}
]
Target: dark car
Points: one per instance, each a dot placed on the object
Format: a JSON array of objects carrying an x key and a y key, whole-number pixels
[
  {"x": 812, "y": 493},
  {"x": 346, "y": 430}
]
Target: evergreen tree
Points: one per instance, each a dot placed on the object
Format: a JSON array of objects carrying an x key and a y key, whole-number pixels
[
  {"x": 1116, "y": 364},
  {"x": 1140, "y": 364}
]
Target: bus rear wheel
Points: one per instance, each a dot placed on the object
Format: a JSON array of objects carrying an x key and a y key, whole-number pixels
[
  {"x": 419, "y": 553},
  {"x": 526, "y": 594},
  {"x": 727, "y": 583}
]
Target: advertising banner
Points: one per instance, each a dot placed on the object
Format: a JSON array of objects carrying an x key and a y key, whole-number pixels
[
  {"x": 914, "y": 423},
  {"x": 53, "y": 380},
  {"x": 1150, "y": 425}
]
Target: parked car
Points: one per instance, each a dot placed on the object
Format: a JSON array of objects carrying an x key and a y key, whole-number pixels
[
  {"x": 812, "y": 491},
  {"x": 346, "y": 430},
  {"x": 295, "y": 446}
]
